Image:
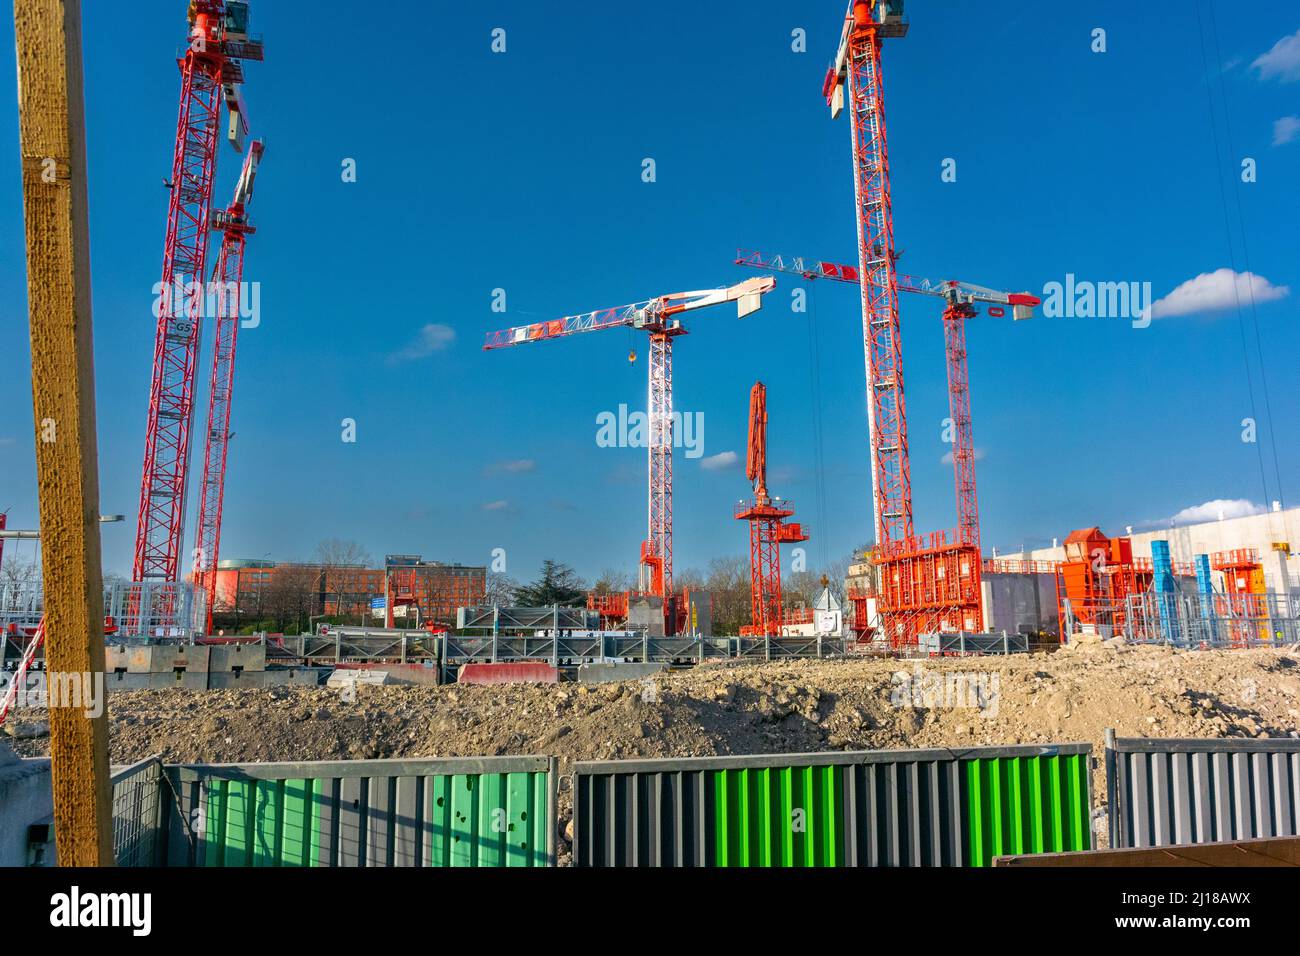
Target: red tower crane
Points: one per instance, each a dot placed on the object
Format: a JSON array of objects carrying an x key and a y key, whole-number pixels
[
  {"x": 658, "y": 317},
  {"x": 767, "y": 528},
  {"x": 211, "y": 67},
  {"x": 930, "y": 582},
  {"x": 228, "y": 276}
]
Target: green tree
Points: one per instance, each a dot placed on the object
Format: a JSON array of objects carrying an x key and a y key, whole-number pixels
[{"x": 558, "y": 584}]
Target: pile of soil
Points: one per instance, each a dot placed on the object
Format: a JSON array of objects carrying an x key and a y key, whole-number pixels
[{"x": 728, "y": 708}]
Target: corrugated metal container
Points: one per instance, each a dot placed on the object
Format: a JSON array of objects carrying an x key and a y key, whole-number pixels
[
  {"x": 489, "y": 812},
  {"x": 1167, "y": 792},
  {"x": 879, "y": 808}
]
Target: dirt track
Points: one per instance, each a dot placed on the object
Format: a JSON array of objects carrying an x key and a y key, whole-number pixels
[{"x": 796, "y": 706}]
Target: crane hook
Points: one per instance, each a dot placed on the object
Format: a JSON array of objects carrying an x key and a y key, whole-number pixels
[{"x": 631, "y": 355}]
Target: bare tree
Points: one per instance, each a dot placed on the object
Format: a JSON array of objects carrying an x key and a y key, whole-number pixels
[
  {"x": 612, "y": 581},
  {"x": 337, "y": 553},
  {"x": 342, "y": 563},
  {"x": 728, "y": 582},
  {"x": 500, "y": 589}
]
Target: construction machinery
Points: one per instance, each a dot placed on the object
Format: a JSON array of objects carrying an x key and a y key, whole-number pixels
[
  {"x": 211, "y": 69},
  {"x": 228, "y": 277},
  {"x": 768, "y": 529},
  {"x": 658, "y": 317},
  {"x": 941, "y": 571}
]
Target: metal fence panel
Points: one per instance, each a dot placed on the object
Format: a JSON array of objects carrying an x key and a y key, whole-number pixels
[
  {"x": 480, "y": 812},
  {"x": 139, "y": 801},
  {"x": 878, "y": 808},
  {"x": 1169, "y": 792}
]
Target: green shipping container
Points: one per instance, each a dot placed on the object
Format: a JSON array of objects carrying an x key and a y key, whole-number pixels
[
  {"x": 476, "y": 812},
  {"x": 879, "y": 808}
]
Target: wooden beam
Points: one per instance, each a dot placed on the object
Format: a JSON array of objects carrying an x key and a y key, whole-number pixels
[
  {"x": 1280, "y": 851},
  {"x": 51, "y": 120}
]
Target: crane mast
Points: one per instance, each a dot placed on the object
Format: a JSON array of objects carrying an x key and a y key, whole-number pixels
[
  {"x": 227, "y": 276},
  {"x": 858, "y": 63},
  {"x": 210, "y": 68}
]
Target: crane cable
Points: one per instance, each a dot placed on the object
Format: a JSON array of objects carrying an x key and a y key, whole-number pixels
[
  {"x": 1232, "y": 261},
  {"x": 1245, "y": 256},
  {"x": 819, "y": 457}
]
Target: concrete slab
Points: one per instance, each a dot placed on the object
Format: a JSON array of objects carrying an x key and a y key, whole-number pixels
[
  {"x": 612, "y": 672},
  {"x": 397, "y": 673}
]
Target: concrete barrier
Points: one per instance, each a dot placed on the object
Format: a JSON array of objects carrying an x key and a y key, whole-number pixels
[
  {"x": 522, "y": 672},
  {"x": 396, "y": 673},
  {"x": 156, "y": 658},
  {"x": 230, "y": 657},
  {"x": 611, "y": 672}
]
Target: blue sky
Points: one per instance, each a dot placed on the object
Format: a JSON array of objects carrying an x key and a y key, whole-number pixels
[{"x": 522, "y": 171}]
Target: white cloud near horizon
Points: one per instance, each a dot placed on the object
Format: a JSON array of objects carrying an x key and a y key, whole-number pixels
[
  {"x": 496, "y": 505},
  {"x": 1217, "y": 291},
  {"x": 1218, "y": 509}
]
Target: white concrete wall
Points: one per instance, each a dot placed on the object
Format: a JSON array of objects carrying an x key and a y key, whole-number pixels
[{"x": 25, "y": 798}]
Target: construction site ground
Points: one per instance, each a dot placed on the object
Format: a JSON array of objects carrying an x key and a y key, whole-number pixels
[{"x": 727, "y": 708}]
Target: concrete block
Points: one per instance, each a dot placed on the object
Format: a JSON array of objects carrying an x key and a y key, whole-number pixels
[
  {"x": 522, "y": 672},
  {"x": 397, "y": 673},
  {"x": 156, "y": 658},
  {"x": 174, "y": 680},
  {"x": 229, "y": 657},
  {"x": 612, "y": 672},
  {"x": 289, "y": 676},
  {"x": 25, "y": 800}
]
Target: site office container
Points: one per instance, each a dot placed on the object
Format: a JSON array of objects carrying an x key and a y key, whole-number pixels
[
  {"x": 463, "y": 812},
  {"x": 878, "y": 808},
  {"x": 1171, "y": 792}
]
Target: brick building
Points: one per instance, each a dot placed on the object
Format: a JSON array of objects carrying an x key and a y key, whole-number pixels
[{"x": 254, "y": 589}]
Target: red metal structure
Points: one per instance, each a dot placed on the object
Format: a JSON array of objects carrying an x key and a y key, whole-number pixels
[
  {"x": 933, "y": 581},
  {"x": 228, "y": 276},
  {"x": 767, "y": 528},
  {"x": 210, "y": 67},
  {"x": 657, "y": 317}
]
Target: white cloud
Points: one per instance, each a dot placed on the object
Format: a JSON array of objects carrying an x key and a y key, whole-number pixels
[
  {"x": 947, "y": 458},
  {"x": 496, "y": 505},
  {"x": 1283, "y": 61},
  {"x": 1285, "y": 130},
  {"x": 515, "y": 466},
  {"x": 434, "y": 337},
  {"x": 720, "y": 462},
  {"x": 1216, "y": 291},
  {"x": 1217, "y": 510}
]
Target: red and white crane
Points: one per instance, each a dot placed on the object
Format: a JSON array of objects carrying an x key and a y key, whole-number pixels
[
  {"x": 227, "y": 276},
  {"x": 659, "y": 318},
  {"x": 767, "y": 527},
  {"x": 210, "y": 69}
]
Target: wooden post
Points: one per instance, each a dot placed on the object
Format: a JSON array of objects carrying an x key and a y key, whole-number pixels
[{"x": 51, "y": 119}]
